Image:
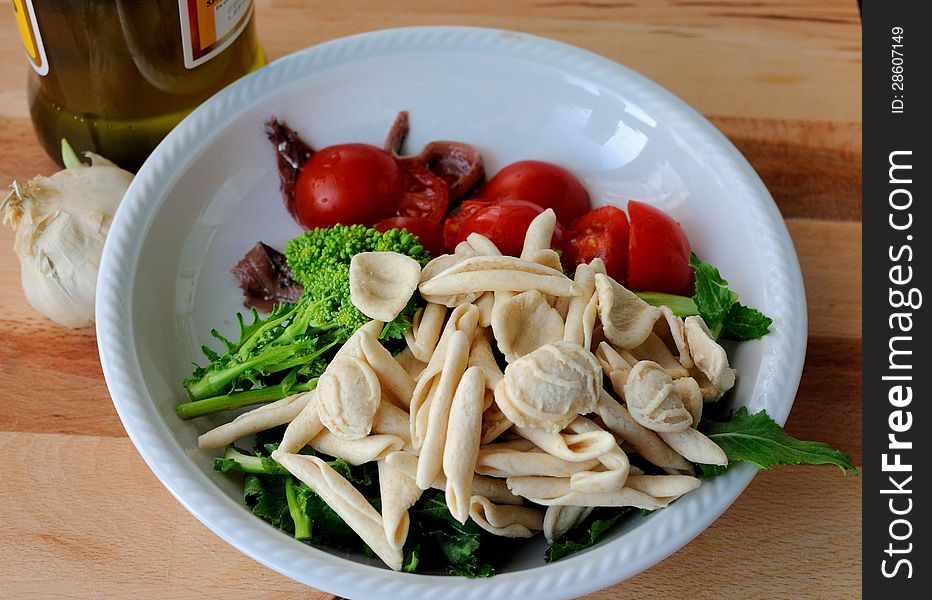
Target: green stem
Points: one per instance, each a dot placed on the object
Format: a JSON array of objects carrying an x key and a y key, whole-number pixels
[
  {"x": 199, "y": 408},
  {"x": 68, "y": 156},
  {"x": 247, "y": 464},
  {"x": 302, "y": 523},
  {"x": 680, "y": 305}
]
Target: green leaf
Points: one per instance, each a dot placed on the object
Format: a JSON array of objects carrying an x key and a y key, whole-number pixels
[
  {"x": 760, "y": 440},
  {"x": 410, "y": 562},
  {"x": 587, "y": 533},
  {"x": 265, "y": 494},
  {"x": 712, "y": 297},
  {"x": 744, "y": 323}
]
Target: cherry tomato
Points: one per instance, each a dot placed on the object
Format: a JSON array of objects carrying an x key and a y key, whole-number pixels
[
  {"x": 427, "y": 231},
  {"x": 544, "y": 184},
  {"x": 504, "y": 222},
  {"x": 600, "y": 233},
  {"x": 455, "y": 221},
  {"x": 658, "y": 252},
  {"x": 426, "y": 194},
  {"x": 348, "y": 184}
]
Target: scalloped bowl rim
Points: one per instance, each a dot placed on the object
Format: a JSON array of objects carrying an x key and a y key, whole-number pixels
[{"x": 613, "y": 561}]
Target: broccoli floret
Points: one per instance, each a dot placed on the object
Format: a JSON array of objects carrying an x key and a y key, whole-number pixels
[{"x": 319, "y": 260}]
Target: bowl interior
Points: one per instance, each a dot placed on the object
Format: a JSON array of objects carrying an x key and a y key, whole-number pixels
[{"x": 212, "y": 192}]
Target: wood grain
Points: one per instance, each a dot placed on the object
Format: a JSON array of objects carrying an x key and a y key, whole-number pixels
[
  {"x": 65, "y": 547},
  {"x": 83, "y": 516}
]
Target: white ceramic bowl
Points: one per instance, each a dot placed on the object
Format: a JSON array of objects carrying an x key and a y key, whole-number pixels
[{"x": 210, "y": 191}]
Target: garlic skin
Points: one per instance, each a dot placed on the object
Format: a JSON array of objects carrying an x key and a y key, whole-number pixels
[{"x": 61, "y": 223}]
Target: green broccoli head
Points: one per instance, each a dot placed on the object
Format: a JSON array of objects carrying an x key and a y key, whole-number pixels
[{"x": 319, "y": 260}]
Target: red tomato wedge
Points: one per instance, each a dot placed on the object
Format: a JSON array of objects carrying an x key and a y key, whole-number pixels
[
  {"x": 348, "y": 184},
  {"x": 600, "y": 233},
  {"x": 426, "y": 193},
  {"x": 428, "y": 231},
  {"x": 504, "y": 222},
  {"x": 658, "y": 252},
  {"x": 545, "y": 184}
]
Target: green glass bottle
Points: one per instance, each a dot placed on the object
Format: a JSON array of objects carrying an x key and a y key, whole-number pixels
[{"x": 114, "y": 76}]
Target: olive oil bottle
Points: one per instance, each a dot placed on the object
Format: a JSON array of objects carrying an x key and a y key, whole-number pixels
[{"x": 114, "y": 76}]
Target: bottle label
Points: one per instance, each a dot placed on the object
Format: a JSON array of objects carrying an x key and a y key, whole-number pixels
[
  {"x": 209, "y": 26},
  {"x": 32, "y": 40}
]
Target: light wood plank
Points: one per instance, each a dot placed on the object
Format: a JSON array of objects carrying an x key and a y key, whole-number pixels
[{"x": 130, "y": 538}]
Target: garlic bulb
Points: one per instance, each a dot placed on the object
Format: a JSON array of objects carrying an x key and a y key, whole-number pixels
[{"x": 61, "y": 223}]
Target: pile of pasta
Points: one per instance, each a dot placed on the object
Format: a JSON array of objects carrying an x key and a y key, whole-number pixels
[{"x": 594, "y": 374}]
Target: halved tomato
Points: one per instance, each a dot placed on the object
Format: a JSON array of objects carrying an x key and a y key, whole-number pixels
[
  {"x": 600, "y": 233},
  {"x": 504, "y": 222},
  {"x": 658, "y": 252}
]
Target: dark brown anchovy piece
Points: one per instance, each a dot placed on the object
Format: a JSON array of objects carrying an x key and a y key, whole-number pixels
[
  {"x": 397, "y": 134},
  {"x": 265, "y": 278},
  {"x": 459, "y": 164},
  {"x": 292, "y": 153}
]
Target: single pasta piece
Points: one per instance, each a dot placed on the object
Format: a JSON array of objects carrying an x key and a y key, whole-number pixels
[
  {"x": 572, "y": 447},
  {"x": 626, "y": 319},
  {"x": 391, "y": 375},
  {"x": 345, "y": 500},
  {"x": 357, "y": 452},
  {"x": 500, "y": 460},
  {"x": 382, "y": 283},
  {"x": 348, "y": 394},
  {"x": 412, "y": 366},
  {"x": 391, "y": 420},
  {"x": 549, "y": 387},
  {"x": 653, "y": 400},
  {"x": 689, "y": 392},
  {"x": 615, "y": 462},
  {"x": 464, "y": 428},
  {"x": 495, "y": 280},
  {"x": 399, "y": 493},
  {"x": 303, "y": 428},
  {"x": 424, "y": 334},
  {"x": 524, "y": 323},
  {"x": 695, "y": 447},
  {"x": 431, "y": 450},
  {"x": 709, "y": 357},
  {"x": 558, "y": 520},
  {"x": 258, "y": 419},
  {"x": 667, "y": 487},
  {"x": 485, "y": 303},
  {"x": 494, "y": 423},
  {"x": 481, "y": 356},
  {"x": 653, "y": 349},
  {"x": 506, "y": 520},
  {"x": 557, "y": 491},
  {"x": 582, "y": 311},
  {"x": 647, "y": 443},
  {"x": 539, "y": 234},
  {"x": 672, "y": 331},
  {"x": 482, "y": 246}
]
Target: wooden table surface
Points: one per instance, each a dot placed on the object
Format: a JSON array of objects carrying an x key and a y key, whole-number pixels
[{"x": 82, "y": 516}]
